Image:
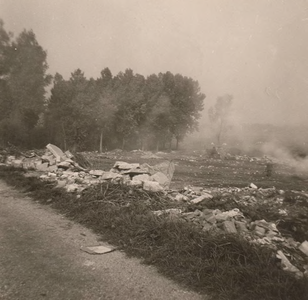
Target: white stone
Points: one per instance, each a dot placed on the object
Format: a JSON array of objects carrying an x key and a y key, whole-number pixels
[
  {"x": 97, "y": 249},
  {"x": 304, "y": 247},
  {"x": 253, "y": 186},
  {"x": 125, "y": 166},
  {"x": 161, "y": 178},
  {"x": 134, "y": 183},
  {"x": 152, "y": 186},
  {"x": 180, "y": 197},
  {"x": 64, "y": 164},
  {"x": 17, "y": 163},
  {"x": 56, "y": 151},
  {"x": 110, "y": 175},
  {"x": 72, "y": 187},
  {"x": 96, "y": 172},
  {"x": 142, "y": 177},
  {"x": 61, "y": 183},
  {"x": 42, "y": 167},
  {"x": 201, "y": 198}
]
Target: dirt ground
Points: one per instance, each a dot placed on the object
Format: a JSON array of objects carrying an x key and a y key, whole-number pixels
[
  {"x": 196, "y": 169},
  {"x": 40, "y": 258}
]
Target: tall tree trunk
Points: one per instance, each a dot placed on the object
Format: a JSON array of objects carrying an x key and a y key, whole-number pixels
[
  {"x": 64, "y": 137},
  {"x": 177, "y": 144},
  {"x": 101, "y": 141},
  {"x": 219, "y": 133}
]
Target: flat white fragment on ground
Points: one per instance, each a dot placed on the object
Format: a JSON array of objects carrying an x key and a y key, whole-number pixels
[
  {"x": 201, "y": 198},
  {"x": 97, "y": 249},
  {"x": 253, "y": 186},
  {"x": 304, "y": 247}
]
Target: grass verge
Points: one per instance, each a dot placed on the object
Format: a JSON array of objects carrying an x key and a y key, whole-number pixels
[{"x": 223, "y": 266}]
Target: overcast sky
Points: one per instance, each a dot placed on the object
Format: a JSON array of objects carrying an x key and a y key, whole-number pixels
[{"x": 256, "y": 50}]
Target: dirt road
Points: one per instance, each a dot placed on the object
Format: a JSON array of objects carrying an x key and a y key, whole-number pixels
[{"x": 40, "y": 258}]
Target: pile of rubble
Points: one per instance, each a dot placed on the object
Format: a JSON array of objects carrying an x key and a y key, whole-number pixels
[
  {"x": 75, "y": 175},
  {"x": 61, "y": 167},
  {"x": 234, "y": 221}
]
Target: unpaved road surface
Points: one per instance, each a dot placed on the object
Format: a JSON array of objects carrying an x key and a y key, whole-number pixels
[{"x": 40, "y": 258}]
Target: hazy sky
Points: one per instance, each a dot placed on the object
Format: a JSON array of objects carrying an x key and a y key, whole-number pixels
[{"x": 256, "y": 50}]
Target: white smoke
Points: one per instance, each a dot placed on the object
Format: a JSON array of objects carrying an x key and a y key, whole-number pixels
[{"x": 283, "y": 155}]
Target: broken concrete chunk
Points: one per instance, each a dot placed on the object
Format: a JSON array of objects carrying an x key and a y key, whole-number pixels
[
  {"x": 110, "y": 175},
  {"x": 64, "y": 164},
  {"x": 9, "y": 159},
  {"x": 152, "y": 186},
  {"x": 241, "y": 226},
  {"x": 207, "y": 227},
  {"x": 29, "y": 163},
  {"x": 52, "y": 175},
  {"x": 287, "y": 266},
  {"x": 17, "y": 163},
  {"x": 72, "y": 187},
  {"x": 49, "y": 158},
  {"x": 229, "y": 226},
  {"x": 134, "y": 182},
  {"x": 42, "y": 167},
  {"x": 61, "y": 183},
  {"x": 97, "y": 249},
  {"x": 121, "y": 165},
  {"x": 46, "y": 178},
  {"x": 68, "y": 154},
  {"x": 201, "y": 198},
  {"x": 265, "y": 225},
  {"x": 134, "y": 172},
  {"x": 260, "y": 231},
  {"x": 189, "y": 215},
  {"x": 196, "y": 189},
  {"x": 180, "y": 197},
  {"x": 96, "y": 172},
  {"x": 304, "y": 247},
  {"x": 221, "y": 216},
  {"x": 142, "y": 177},
  {"x": 211, "y": 219},
  {"x": 166, "y": 167},
  {"x": 253, "y": 186},
  {"x": 56, "y": 151},
  {"x": 53, "y": 168},
  {"x": 68, "y": 173},
  {"x": 161, "y": 178}
]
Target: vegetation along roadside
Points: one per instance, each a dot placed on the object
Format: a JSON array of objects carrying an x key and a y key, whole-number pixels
[{"x": 224, "y": 266}]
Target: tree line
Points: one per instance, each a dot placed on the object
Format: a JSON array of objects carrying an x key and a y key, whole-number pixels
[{"x": 126, "y": 110}]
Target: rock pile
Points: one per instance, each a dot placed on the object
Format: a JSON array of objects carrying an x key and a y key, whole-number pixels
[
  {"x": 61, "y": 167},
  {"x": 200, "y": 205},
  {"x": 234, "y": 221}
]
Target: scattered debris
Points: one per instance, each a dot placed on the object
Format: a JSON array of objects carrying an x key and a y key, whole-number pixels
[
  {"x": 97, "y": 249},
  {"x": 287, "y": 266},
  {"x": 200, "y": 205},
  {"x": 201, "y": 198}
]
